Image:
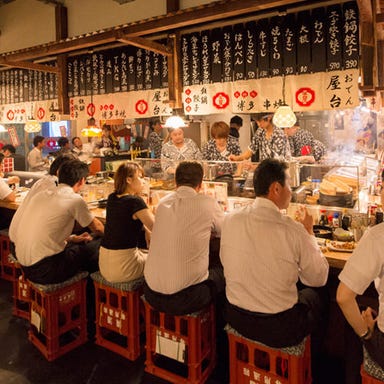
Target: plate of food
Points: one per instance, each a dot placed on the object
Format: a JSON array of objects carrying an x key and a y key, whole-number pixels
[{"x": 341, "y": 246}]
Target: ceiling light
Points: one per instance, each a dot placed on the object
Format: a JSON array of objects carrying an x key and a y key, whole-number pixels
[{"x": 32, "y": 126}]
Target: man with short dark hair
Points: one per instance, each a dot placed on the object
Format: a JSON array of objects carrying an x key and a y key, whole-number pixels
[
  {"x": 264, "y": 254},
  {"x": 176, "y": 272},
  {"x": 235, "y": 124},
  {"x": 18, "y": 160},
  {"x": 45, "y": 246},
  {"x": 63, "y": 143},
  {"x": 35, "y": 158}
]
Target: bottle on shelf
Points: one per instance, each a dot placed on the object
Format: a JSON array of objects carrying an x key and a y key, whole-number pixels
[
  {"x": 335, "y": 220},
  {"x": 323, "y": 217}
]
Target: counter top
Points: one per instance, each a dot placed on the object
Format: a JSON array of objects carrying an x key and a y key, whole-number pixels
[{"x": 335, "y": 259}]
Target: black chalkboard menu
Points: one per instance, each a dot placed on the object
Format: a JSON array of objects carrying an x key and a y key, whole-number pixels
[
  {"x": 238, "y": 52},
  {"x": 334, "y": 38},
  {"x": 195, "y": 49},
  {"x": 227, "y": 45},
  {"x": 304, "y": 59},
  {"x": 205, "y": 60},
  {"x": 276, "y": 46},
  {"x": 216, "y": 52},
  {"x": 250, "y": 51},
  {"x": 289, "y": 48},
  {"x": 316, "y": 40},
  {"x": 263, "y": 48},
  {"x": 351, "y": 33}
]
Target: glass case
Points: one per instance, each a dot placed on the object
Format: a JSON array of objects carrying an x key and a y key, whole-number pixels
[{"x": 329, "y": 185}]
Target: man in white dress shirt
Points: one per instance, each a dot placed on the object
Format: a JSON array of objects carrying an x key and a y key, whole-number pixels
[
  {"x": 45, "y": 246},
  {"x": 35, "y": 159},
  {"x": 177, "y": 272},
  {"x": 265, "y": 254}
]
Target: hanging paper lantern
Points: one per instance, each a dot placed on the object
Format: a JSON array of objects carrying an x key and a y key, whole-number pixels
[
  {"x": 284, "y": 117},
  {"x": 32, "y": 126}
]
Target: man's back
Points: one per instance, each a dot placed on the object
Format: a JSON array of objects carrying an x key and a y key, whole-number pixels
[
  {"x": 179, "y": 251},
  {"x": 262, "y": 251},
  {"x": 48, "y": 221}
]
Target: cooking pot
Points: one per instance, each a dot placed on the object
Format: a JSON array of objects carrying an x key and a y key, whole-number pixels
[{"x": 294, "y": 173}]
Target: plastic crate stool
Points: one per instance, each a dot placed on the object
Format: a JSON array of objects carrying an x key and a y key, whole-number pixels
[
  {"x": 21, "y": 292},
  {"x": 371, "y": 372},
  {"x": 8, "y": 269},
  {"x": 253, "y": 362},
  {"x": 118, "y": 309},
  {"x": 58, "y": 316},
  {"x": 180, "y": 349}
]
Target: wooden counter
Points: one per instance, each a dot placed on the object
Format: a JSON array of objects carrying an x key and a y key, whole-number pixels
[{"x": 335, "y": 259}]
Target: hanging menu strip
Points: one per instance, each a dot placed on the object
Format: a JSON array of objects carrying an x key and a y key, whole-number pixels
[
  {"x": 250, "y": 49},
  {"x": 238, "y": 52},
  {"x": 334, "y": 33},
  {"x": 351, "y": 33},
  {"x": 186, "y": 60},
  {"x": 303, "y": 42},
  {"x": 227, "y": 42},
  {"x": 276, "y": 39},
  {"x": 216, "y": 52},
  {"x": 319, "y": 47},
  {"x": 194, "y": 42},
  {"x": 263, "y": 48},
  {"x": 205, "y": 68}
]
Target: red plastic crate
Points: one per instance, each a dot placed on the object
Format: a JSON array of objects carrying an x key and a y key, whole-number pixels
[
  {"x": 21, "y": 297},
  {"x": 180, "y": 349},
  {"x": 119, "y": 316},
  {"x": 251, "y": 362},
  {"x": 58, "y": 316},
  {"x": 8, "y": 269},
  {"x": 368, "y": 379}
]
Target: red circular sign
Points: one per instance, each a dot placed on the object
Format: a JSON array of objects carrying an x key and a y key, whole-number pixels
[
  {"x": 221, "y": 100},
  {"x": 91, "y": 109},
  {"x": 51, "y": 143},
  {"x": 10, "y": 115},
  {"x": 141, "y": 107},
  {"x": 305, "y": 97},
  {"x": 41, "y": 113}
]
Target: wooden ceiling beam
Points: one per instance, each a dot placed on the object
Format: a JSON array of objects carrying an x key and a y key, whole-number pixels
[
  {"x": 150, "y": 45},
  {"x": 29, "y": 65}
]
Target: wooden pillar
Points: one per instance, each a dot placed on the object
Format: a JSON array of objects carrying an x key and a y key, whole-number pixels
[
  {"x": 174, "y": 72},
  {"x": 61, "y": 20}
]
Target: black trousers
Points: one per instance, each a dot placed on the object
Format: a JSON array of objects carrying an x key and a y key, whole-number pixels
[
  {"x": 190, "y": 299},
  {"x": 57, "y": 268}
]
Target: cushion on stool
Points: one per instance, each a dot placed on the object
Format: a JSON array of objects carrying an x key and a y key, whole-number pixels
[
  {"x": 47, "y": 288},
  {"x": 372, "y": 368},
  {"x": 131, "y": 285},
  {"x": 296, "y": 350}
]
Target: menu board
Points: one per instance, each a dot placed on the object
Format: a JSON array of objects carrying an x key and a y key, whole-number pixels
[
  {"x": 334, "y": 38},
  {"x": 263, "y": 48},
  {"x": 250, "y": 50},
  {"x": 317, "y": 40},
  {"x": 205, "y": 61},
  {"x": 304, "y": 23},
  {"x": 276, "y": 50}
]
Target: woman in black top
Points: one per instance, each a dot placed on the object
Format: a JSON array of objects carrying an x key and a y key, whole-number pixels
[{"x": 121, "y": 258}]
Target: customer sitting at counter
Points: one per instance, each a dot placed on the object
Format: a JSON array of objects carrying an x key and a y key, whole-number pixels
[
  {"x": 44, "y": 244},
  {"x": 178, "y": 280},
  {"x": 121, "y": 258},
  {"x": 365, "y": 265},
  {"x": 6, "y": 193},
  {"x": 178, "y": 148},
  {"x": 47, "y": 182},
  {"x": 220, "y": 146},
  {"x": 35, "y": 159},
  {"x": 264, "y": 254},
  {"x": 267, "y": 142}
]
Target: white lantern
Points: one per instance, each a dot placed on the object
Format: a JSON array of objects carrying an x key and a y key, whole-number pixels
[
  {"x": 175, "y": 122},
  {"x": 284, "y": 117},
  {"x": 32, "y": 126}
]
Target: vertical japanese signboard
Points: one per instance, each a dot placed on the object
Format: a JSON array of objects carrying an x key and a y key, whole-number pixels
[
  {"x": 276, "y": 40},
  {"x": 289, "y": 44},
  {"x": 304, "y": 42},
  {"x": 263, "y": 48},
  {"x": 334, "y": 41},
  {"x": 318, "y": 38},
  {"x": 205, "y": 68},
  {"x": 216, "y": 52},
  {"x": 238, "y": 52},
  {"x": 351, "y": 36},
  {"x": 250, "y": 51}
]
